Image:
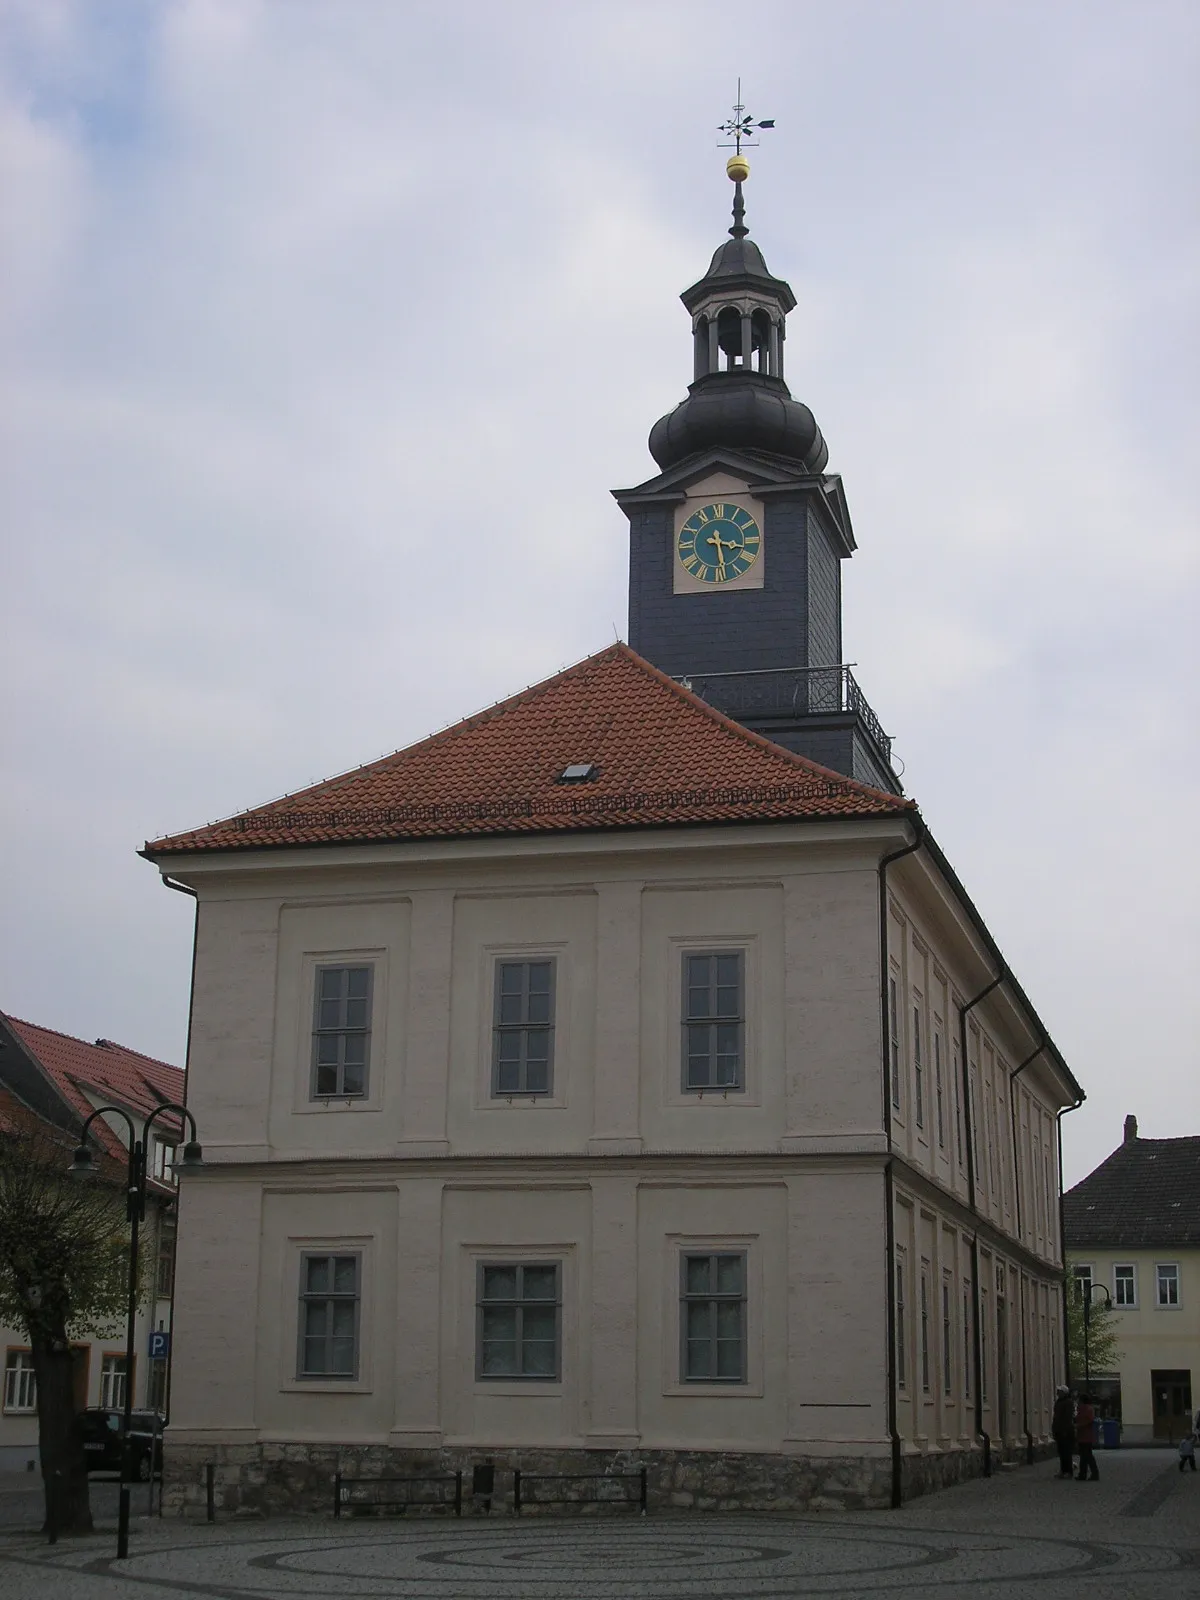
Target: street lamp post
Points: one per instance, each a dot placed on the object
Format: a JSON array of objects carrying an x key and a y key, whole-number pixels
[
  {"x": 135, "y": 1210},
  {"x": 1087, "y": 1322}
]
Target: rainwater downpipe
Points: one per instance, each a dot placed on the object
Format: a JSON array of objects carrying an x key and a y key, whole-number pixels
[
  {"x": 977, "y": 1341},
  {"x": 888, "y": 1187},
  {"x": 1012, "y": 1112},
  {"x": 180, "y": 888},
  {"x": 1062, "y": 1243}
]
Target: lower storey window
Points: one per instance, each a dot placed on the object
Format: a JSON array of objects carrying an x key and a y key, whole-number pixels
[
  {"x": 112, "y": 1382},
  {"x": 519, "y": 1319},
  {"x": 20, "y": 1385},
  {"x": 329, "y": 1300},
  {"x": 713, "y": 1320}
]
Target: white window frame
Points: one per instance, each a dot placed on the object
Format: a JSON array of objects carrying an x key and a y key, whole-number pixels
[
  {"x": 1172, "y": 1267},
  {"x": 20, "y": 1383},
  {"x": 112, "y": 1380},
  {"x": 1129, "y": 1267}
]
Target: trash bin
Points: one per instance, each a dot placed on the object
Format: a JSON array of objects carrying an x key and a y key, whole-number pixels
[{"x": 1110, "y": 1433}]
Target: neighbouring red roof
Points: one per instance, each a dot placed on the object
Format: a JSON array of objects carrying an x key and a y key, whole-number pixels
[
  {"x": 662, "y": 756},
  {"x": 109, "y": 1071}
]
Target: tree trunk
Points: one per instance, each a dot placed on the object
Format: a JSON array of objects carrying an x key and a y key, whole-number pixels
[{"x": 64, "y": 1465}]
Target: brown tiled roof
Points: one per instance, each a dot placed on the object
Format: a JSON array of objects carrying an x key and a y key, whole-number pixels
[
  {"x": 1145, "y": 1196},
  {"x": 662, "y": 757},
  {"x": 110, "y": 1071}
]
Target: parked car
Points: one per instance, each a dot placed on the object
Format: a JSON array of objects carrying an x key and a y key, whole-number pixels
[{"x": 100, "y": 1429}]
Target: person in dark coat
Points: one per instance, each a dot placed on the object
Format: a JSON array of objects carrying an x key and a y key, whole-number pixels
[
  {"x": 1062, "y": 1426},
  {"x": 1085, "y": 1438}
]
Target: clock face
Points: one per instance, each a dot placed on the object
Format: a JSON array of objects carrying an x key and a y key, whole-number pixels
[{"x": 718, "y": 542}]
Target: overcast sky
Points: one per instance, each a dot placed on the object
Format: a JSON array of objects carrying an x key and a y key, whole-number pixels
[{"x": 328, "y": 325}]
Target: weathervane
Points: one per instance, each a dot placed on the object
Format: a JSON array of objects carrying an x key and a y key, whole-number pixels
[{"x": 739, "y": 127}]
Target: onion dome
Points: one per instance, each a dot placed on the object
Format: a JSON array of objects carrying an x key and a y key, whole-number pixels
[{"x": 738, "y": 397}]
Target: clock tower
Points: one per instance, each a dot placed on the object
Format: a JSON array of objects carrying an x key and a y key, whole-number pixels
[{"x": 735, "y": 547}]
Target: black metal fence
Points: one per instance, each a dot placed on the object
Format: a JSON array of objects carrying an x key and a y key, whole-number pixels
[
  {"x": 365, "y": 1497},
  {"x": 610, "y": 1488}
]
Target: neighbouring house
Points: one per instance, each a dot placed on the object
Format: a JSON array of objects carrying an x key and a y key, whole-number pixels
[
  {"x": 60, "y": 1080},
  {"x": 1133, "y": 1236},
  {"x": 623, "y": 1075}
]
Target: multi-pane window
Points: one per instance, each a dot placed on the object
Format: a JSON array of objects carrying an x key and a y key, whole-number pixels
[
  {"x": 523, "y": 1028},
  {"x": 713, "y": 1317},
  {"x": 20, "y": 1385},
  {"x": 341, "y": 1032},
  {"x": 947, "y": 1338},
  {"x": 918, "y": 1068},
  {"x": 156, "y": 1385},
  {"x": 983, "y": 1347},
  {"x": 164, "y": 1267},
  {"x": 925, "y": 1330},
  {"x": 939, "y": 1089},
  {"x": 519, "y": 1319},
  {"x": 1082, "y": 1279},
  {"x": 112, "y": 1382},
  {"x": 1125, "y": 1285},
  {"x": 714, "y": 1020},
  {"x": 329, "y": 1312},
  {"x": 1168, "y": 1283},
  {"x": 901, "y": 1314},
  {"x": 966, "y": 1327},
  {"x": 894, "y": 1039}
]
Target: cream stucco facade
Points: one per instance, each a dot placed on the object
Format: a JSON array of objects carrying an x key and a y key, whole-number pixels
[
  {"x": 891, "y": 1343},
  {"x": 1156, "y": 1303}
]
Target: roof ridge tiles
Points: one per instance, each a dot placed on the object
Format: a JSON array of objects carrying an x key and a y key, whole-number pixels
[{"x": 662, "y": 757}]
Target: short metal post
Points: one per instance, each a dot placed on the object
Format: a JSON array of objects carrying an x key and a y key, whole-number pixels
[
  {"x": 458, "y": 1493},
  {"x": 337, "y": 1494},
  {"x": 517, "y": 1491},
  {"x": 52, "y": 1507},
  {"x": 123, "y": 1521},
  {"x": 210, "y": 1491},
  {"x": 643, "y": 1478}
]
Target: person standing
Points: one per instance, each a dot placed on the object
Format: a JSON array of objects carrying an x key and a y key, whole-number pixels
[
  {"x": 1062, "y": 1427},
  {"x": 1187, "y": 1452},
  {"x": 1085, "y": 1438}
]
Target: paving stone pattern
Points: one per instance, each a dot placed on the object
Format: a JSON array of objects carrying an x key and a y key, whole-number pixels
[{"x": 1021, "y": 1534}]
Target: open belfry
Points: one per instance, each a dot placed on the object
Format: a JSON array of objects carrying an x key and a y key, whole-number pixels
[{"x": 622, "y": 1078}]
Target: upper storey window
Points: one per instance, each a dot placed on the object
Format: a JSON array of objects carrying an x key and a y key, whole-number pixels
[
  {"x": 714, "y": 1020},
  {"x": 523, "y": 1028},
  {"x": 341, "y": 1032}
]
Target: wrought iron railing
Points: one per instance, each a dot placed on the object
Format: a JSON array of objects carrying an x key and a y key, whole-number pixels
[{"x": 790, "y": 691}]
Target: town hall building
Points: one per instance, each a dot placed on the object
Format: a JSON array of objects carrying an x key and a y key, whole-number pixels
[{"x": 623, "y": 1077}]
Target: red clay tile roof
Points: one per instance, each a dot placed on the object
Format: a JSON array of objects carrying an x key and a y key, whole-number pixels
[
  {"x": 110, "y": 1071},
  {"x": 662, "y": 756}
]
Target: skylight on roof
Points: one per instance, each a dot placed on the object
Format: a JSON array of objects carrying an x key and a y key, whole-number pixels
[{"x": 578, "y": 772}]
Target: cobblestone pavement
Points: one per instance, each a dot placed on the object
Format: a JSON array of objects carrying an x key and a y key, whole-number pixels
[{"x": 1024, "y": 1535}]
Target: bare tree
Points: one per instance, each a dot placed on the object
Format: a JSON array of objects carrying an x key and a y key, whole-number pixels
[{"x": 64, "y": 1254}]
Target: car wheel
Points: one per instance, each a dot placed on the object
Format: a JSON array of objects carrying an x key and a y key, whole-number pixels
[{"x": 143, "y": 1469}]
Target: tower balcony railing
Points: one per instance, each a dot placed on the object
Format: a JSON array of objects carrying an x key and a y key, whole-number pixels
[{"x": 790, "y": 691}]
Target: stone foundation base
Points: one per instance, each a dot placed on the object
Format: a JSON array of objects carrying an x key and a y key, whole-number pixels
[{"x": 259, "y": 1480}]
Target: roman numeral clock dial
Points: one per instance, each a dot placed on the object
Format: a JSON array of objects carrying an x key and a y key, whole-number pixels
[{"x": 719, "y": 542}]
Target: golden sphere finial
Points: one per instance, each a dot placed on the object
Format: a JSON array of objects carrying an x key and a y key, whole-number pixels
[{"x": 738, "y": 168}]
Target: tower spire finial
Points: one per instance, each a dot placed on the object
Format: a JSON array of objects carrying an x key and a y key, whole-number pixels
[{"x": 739, "y": 127}]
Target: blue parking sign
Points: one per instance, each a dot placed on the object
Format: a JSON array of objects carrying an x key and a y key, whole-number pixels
[{"x": 160, "y": 1346}]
